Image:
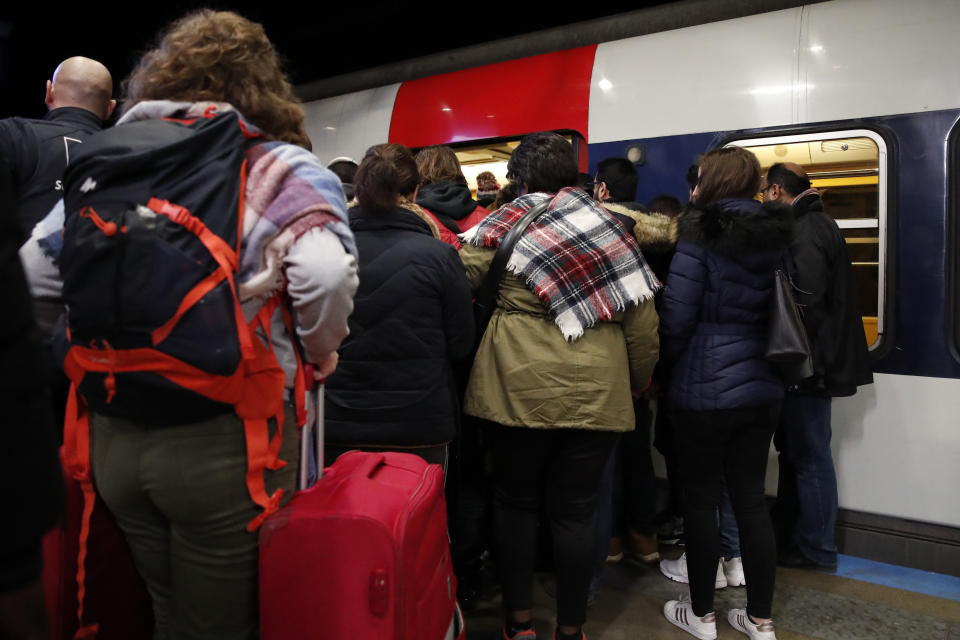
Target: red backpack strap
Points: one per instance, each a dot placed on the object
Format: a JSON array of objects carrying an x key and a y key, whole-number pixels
[
  {"x": 259, "y": 458},
  {"x": 76, "y": 459},
  {"x": 263, "y": 320},
  {"x": 263, "y": 452},
  {"x": 225, "y": 256}
]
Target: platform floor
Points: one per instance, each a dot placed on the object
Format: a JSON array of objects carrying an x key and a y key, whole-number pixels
[{"x": 864, "y": 599}]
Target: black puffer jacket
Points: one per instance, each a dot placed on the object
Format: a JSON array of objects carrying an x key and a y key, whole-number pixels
[
  {"x": 713, "y": 322},
  {"x": 412, "y": 318}
]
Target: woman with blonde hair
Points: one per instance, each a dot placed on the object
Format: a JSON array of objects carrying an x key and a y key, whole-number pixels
[
  {"x": 180, "y": 484},
  {"x": 725, "y": 397}
]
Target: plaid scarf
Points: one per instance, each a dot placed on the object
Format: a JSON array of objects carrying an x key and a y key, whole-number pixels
[{"x": 575, "y": 256}]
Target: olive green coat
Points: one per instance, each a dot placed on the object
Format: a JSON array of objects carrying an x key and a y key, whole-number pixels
[{"x": 526, "y": 374}]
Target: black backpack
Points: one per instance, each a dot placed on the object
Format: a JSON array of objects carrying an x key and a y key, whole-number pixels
[
  {"x": 150, "y": 245},
  {"x": 154, "y": 328}
]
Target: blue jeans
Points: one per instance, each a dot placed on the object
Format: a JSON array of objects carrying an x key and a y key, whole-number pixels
[
  {"x": 729, "y": 535},
  {"x": 604, "y": 521},
  {"x": 806, "y": 509}
]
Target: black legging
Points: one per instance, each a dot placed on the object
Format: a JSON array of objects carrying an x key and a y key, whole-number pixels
[
  {"x": 731, "y": 444},
  {"x": 564, "y": 466}
]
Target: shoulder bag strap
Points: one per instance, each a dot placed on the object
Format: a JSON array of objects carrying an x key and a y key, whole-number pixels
[{"x": 487, "y": 294}]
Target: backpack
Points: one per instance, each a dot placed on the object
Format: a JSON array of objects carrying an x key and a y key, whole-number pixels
[
  {"x": 154, "y": 328},
  {"x": 152, "y": 210}
]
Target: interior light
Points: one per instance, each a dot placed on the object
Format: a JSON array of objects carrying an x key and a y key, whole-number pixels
[
  {"x": 446, "y": 109},
  {"x": 817, "y": 48},
  {"x": 605, "y": 85},
  {"x": 329, "y": 128}
]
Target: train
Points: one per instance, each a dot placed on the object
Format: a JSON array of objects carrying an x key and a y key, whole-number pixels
[{"x": 865, "y": 94}]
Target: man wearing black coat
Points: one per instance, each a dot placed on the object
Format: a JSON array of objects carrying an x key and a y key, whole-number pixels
[
  {"x": 806, "y": 510},
  {"x": 38, "y": 150}
]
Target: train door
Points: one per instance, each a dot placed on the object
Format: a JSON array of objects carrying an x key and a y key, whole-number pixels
[
  {"x": 478, "y": 156},
  {"x": 850, "y": 170}
]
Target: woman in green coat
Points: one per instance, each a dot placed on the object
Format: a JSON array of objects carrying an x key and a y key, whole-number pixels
[{"x": 574, "y": 333}]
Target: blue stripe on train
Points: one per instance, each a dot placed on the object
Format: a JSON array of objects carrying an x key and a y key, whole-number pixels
[
  {"x": 921, "y": 324},
  {"x": 888, "y": 575}
]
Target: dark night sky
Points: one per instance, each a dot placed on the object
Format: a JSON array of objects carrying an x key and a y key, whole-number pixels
[{"x": 35, "y": 35}]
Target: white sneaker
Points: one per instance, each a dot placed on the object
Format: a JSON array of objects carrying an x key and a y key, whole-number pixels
[
  {"x": 677, "y": 570},
  {"x": 733, "y": 571},
  {"x": 680, "y": 613},
  {"x": 740, "y": 621}
]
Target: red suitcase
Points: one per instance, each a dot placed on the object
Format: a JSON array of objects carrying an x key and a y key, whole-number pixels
[
  {"x": 116, "y": 605},
  {"x": 363, "y": 554}
]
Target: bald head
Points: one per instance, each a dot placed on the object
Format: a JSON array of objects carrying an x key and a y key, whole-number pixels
[
  {"x": 82, "y": 82},
  {"x": 795, "y": 169},
  {"x": 784, "y": 182}
]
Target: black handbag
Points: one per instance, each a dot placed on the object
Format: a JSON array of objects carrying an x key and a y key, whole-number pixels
[
  {"x": 486, "y": 299},
  {"x": 788, "y": 347}
]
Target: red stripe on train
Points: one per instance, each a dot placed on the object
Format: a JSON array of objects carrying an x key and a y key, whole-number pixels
[{"x": 539, "y": 93}]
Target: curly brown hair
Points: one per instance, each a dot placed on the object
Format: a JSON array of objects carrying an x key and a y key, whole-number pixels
[{"x": 222, "y": 57}]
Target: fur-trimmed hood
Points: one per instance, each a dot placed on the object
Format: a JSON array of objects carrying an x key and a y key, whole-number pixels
[
  {"x": 737, "y": 226},
  {"x": 655, "y": 232}
]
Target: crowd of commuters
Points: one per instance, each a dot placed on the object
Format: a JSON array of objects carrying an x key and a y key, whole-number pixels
[{"x": 606, "y": 312}]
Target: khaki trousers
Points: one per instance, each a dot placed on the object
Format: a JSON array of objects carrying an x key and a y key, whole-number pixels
[{"x": 179, "y": 494}]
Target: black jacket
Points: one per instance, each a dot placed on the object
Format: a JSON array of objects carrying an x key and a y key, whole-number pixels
[
  {"x": 38, "y": 152},
  {"x": 412, "y": 317},
  {"x": 31, "y": 468},
  {"x": 831, "y": 314}
]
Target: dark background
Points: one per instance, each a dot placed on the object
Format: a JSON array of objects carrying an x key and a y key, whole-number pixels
[{"x": 335, "y": 38}]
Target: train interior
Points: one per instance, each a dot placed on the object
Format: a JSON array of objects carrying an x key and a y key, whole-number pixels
[{"x": 492, "y": 157}]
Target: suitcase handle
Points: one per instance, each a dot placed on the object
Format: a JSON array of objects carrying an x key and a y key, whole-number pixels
[{"x": 371, "y": 464}]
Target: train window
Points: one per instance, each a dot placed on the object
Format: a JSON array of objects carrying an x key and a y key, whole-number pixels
[{"x": 849, "y": 168}]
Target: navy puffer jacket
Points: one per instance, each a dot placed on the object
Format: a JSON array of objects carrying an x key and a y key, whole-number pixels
[
  {"x": 713, "y": 322},
  {"x": 412, "y": 319}
]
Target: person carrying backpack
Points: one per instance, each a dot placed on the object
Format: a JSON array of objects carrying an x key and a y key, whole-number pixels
[{"x": 199, "y": 235}]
